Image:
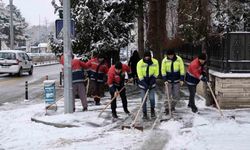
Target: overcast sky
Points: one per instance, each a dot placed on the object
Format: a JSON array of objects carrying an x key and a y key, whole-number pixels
[{"x": 32, "y": 10}]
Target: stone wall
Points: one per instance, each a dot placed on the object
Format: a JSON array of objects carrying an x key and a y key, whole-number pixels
[{"x": 232, "y": 90}]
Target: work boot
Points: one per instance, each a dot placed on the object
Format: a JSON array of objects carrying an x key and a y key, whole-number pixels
[
  {"x": 126, "y": 111},
  {"x": 114, "y": 114},
  {"x": 97, "y": 101},
  {"x": 166, "y": 111},
  {"x": 145, "y": 116},
  {"x": 173, "y": 109},
  {"x": 85, "y": 109},
  {"x": 194, "y": 109},
  {"x": 152, "y": 113}
]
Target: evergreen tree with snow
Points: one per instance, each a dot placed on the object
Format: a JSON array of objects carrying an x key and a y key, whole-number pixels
[
  {"x": 229, "y": 15},
  {"x": 193, "y": 20},
  {"x": 19, "y": 25},
  {"x": 102, "y": 24}
]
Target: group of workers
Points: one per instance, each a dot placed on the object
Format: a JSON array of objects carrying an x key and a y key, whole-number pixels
[{"x": 144, "y": 72}]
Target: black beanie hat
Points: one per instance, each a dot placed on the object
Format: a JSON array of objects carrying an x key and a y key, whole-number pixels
[
  {"x": 118, "y": 65},
  {"x": 202, "y": 56},
  {"x": 147, "y": 54},
  {"x": 170, "y": 52},
  {"x": 101, "y": 55}
]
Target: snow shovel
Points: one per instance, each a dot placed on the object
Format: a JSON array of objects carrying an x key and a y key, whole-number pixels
[
  {"x": 169, "y": 104},
  {"x": 87, "y": 86},
  {"x": 132, "y": 125},
  {"x": 216, "y": 101},
  {"x": 116, "y": 95}
]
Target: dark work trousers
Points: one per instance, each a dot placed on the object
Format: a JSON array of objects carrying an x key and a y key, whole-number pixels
[
  {"x": 79, "y": 89},
  {"x": 123, "y": 97},
  {"x": 95, "y": 89},
  {"x": 192, "y": 91}
]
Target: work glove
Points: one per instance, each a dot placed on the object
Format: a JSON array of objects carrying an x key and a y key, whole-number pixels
[
  {"x": 130, "y": 80},
  {"x": 144, "y": 84},
  {"x": 203, "y": 73},
  {"x": 116, "y": 94},
  {"x": 181, "y": 83},
  {"x": 204, "y": 79},
  {"x": 151, "y": 83}
]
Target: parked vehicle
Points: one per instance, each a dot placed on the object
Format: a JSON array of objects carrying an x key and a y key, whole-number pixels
[{"x": 15, "y": 62}]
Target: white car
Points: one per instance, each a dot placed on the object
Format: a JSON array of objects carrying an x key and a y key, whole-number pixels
[{"x": 15, "y": 62}]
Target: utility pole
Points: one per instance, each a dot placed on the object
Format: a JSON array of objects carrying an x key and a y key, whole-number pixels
[
  {"x": 68, "y": 107},
  {"x": 11, "y": 26}
]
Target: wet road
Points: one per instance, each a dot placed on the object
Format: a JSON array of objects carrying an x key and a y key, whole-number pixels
[{"x": 12, "y": 88}]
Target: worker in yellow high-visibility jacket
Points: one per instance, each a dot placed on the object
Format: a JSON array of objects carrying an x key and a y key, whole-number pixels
[
  {"x": 173, "y": 72},
  {"x": 148, "y": 71}
]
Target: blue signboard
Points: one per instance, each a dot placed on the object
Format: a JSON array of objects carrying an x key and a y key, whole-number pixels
[
  {"x": 59, "y": 28},
  {"x": 49, "y": 91}
]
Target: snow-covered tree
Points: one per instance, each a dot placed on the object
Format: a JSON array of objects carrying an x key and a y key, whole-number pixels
[
  {"x": 4, "y": 22},
  {"x": 102, "y": 24},
  {"x": 193, "y": 20},
  {"x": 19, "y": 25},
  {"x": 229, "y": 15}
]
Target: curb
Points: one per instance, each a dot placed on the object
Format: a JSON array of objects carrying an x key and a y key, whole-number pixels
[{"x": 40, "y": 65}]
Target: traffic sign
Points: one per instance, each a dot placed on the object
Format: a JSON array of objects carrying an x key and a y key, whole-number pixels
[{"x": 59, "y": 28}]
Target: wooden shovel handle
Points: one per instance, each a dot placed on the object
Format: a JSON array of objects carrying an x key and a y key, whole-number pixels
[
  {"x": 112, "y": 100},
  {"x": 216, "y": 101},
  {"x": 169, "y": 102},
  {"x": 138, "y": 112}
]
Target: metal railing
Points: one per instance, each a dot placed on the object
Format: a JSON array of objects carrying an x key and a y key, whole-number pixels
[{"x": 229, "y": 52}]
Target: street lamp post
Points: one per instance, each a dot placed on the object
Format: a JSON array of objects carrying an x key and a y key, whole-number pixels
[{"x": 11, "y": 26}]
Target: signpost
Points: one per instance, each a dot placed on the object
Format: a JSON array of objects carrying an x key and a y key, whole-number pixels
[{"x": 59, "y": 28}]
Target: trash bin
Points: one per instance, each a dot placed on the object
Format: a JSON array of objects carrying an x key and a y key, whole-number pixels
[{"x": 49, "y": 94}]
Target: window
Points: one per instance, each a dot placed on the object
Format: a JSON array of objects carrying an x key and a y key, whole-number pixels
[
  {"x": 9, "y": 56},
  {"x": 21, "y": 56}
]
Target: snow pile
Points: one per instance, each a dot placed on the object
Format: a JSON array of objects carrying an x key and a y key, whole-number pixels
[{"x": 208, "y": 130}]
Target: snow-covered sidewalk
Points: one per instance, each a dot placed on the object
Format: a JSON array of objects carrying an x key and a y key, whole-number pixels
[
  {"x": 206, "y": 130},
  {"x": 17, "y": 131}
]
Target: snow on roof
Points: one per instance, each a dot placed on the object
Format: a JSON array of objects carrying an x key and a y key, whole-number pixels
[
  {"x": 13, "y": 51},
  {"x": 238, "y": 32},
  {"x": 229, "y": 75},
  {"x": 43, "y": 45}
]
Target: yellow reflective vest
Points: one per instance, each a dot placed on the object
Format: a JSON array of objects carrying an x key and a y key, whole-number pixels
[
  {"x": 173, "y": 71},
  {"x": 153, "y": 72}
]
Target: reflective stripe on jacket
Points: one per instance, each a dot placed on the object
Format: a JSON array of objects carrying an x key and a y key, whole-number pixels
[
  {"x": 77, "y": 70},
  {"x": 173, "y": 74},
  {"x": 153, "y": 72},
  {"x": 96, "y": 71}
]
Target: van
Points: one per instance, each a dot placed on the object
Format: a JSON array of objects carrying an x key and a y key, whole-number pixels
[{"x": 15, "y": 62}]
